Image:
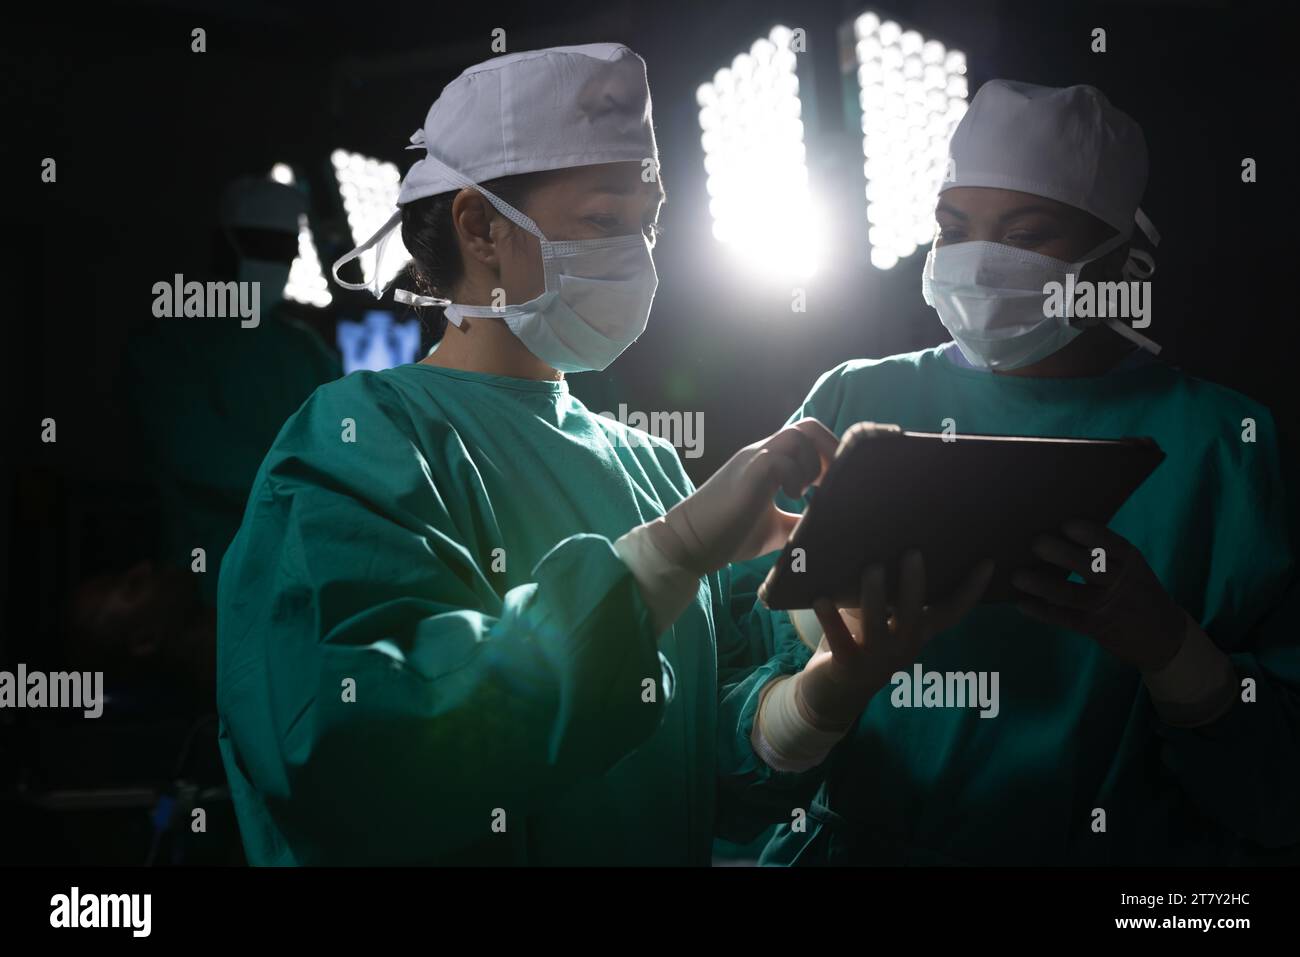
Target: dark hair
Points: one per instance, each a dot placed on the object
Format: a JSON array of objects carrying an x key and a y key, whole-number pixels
[{"x": 427, "y": 231}]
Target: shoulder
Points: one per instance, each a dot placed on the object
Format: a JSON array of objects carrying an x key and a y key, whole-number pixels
[
  {"x": 670, "y": 464},
  {"x": 1218, "y": 399},
  {"x": 856, "y": 378},
  {"x": 902, "y": 365},
  {"x": 366, "y": 436},
  {"x": 393, "y": 392},
  {"x": 363, "y": 408},
  {"x": 1216, "y": 412},
  {"x": 1235, "y": 426},
  {"x": 361, "y": 390},
  {"x": 656, "y": 455}
]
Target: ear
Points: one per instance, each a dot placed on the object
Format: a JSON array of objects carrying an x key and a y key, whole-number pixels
[{"x": 471, "y": 216}]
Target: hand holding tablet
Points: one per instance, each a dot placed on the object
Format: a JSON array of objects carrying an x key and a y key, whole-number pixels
[{"x": 957, "y": 500}]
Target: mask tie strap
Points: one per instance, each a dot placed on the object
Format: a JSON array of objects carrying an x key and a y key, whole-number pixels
[
  {"x": 505, "y": 209},
  {"x": 1139, "y": 266},
  {"x": 1148, "y": 228},
  {"x": 381, "y": 237},
  {"x": 1131, "y": 334},
  {"x": 1130, "y": 272},
  {"x": 415, "y": 299}
]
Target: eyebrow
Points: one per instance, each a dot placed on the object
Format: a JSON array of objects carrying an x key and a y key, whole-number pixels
[
  {"x": 622, "y": 189},
  {"x": 1002, "y": 217},
  {"x": 1026, "y": 210},
  {"x": 952, "y": 211}
]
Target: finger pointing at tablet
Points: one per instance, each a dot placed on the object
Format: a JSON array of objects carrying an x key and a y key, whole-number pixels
[{"x": 732, "y": 516}]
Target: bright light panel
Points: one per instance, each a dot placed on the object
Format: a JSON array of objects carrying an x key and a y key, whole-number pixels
[
  {"x": 306, "y": 277},
  {"x": 369, "y": 189},
  {"x": 913, "y": 93},
  {"x": 752, "y": 136}
]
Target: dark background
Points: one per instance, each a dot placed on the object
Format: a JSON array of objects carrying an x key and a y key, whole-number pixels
[{"x": 146, "y": 134}]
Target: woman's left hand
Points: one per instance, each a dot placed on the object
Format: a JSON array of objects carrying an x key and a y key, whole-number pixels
[
  {"x": 1120, "y": 604},
  {"x": 863, "y": 647}
]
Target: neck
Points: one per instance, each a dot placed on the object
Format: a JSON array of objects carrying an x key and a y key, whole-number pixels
[
  {"x": 1092, "y": 354},
  {"x": 488, "y": 346}
]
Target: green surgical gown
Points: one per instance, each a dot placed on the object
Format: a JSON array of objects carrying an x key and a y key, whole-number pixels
[
  {"x": 1076, "y": 729},
  {"x": 429, "y": 651}
]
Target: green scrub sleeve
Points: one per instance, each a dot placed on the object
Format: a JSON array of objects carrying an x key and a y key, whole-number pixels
[
  {"x": 1243, "y": 769},
  {"x": 384, "y": 699},
  {"x": 755, "y": 646}
]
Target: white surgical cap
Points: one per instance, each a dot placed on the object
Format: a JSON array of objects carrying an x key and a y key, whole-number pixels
[
  {"x": 251, "y": 202},
  {"x": 524, "y": 113},
  {"x": 1064, "y": 143},
  {"x": 539, "y": 110}
]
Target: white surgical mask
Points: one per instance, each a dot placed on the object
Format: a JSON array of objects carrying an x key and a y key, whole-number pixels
[
  {"x": 990, "y": 298},
  {"x": 596, "y": 301}
]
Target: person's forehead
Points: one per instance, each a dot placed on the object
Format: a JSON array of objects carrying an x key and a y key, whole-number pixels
[
  {"x": 988, "y": 200},
  {"x": 619, "y": 178}
]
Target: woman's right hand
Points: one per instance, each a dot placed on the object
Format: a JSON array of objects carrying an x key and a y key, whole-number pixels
[
  {"x": 732, "y": 516},
  {"x": 862, "y": 648}
]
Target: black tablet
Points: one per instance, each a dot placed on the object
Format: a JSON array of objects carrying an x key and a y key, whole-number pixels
[{"x": 957, "y": 498}]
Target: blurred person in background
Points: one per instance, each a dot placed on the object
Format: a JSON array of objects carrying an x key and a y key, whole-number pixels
[{"x": 206, "y": 398}]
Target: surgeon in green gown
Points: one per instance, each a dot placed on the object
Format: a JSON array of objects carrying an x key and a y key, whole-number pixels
[
  {"x": 1149, "y": 713},
  {"x": 465, "y": 620},
  {"x": 208, "y": 396}
]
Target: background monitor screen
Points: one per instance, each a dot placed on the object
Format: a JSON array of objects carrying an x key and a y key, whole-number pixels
[{"x": 378, "y": 341}]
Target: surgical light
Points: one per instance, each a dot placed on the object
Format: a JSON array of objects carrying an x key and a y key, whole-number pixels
[
  {"x": 752, "y": 134},
  {"x": 913, "y": 92},
  {"x": 369, "y": 188},
  {"x": 306, "y": 277},
  {"x": 306, "y": 282}
]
